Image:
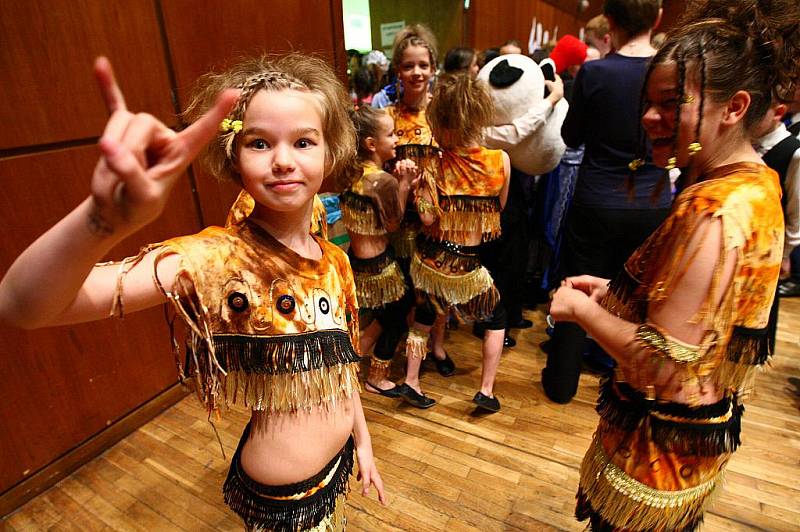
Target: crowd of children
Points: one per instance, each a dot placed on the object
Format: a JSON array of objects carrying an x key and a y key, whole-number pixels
[{"x": 276, "y": 317}]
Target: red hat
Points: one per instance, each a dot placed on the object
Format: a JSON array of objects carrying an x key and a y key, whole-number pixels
[{"x": 569, "y": 51}]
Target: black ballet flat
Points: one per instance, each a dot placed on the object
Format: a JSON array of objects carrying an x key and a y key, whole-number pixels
[
  {"x": 490, "y": 404},
  {"x": 414, "y": 398},
  {"x": 446, "y": 367},
  {"x": 392, "y": 392}
]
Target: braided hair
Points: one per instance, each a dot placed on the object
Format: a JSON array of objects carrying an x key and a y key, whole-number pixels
[
  {"x": 290, "y": 72},
  {"x": 727, "y": 46}
]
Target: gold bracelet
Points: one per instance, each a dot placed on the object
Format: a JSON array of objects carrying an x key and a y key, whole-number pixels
[{"x": 424, "y": 205}]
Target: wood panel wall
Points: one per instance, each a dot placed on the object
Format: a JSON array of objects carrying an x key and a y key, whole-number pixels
[
  {"x": 444, "y": 17},
  {"x": 64, "y": 385}
]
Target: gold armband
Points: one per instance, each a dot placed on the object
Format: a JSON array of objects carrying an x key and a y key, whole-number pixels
[
  {"x": 424, "y": 205},
  {"x": 653, "y": 338}
]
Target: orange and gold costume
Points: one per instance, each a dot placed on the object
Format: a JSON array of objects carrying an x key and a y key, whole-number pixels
[
  {"x": 653, "y": 464},
  {"x": 368, "y": 206},
  {"x": 273, "y": 331},
  {"x": 244, "y": 205},
  {"x": 446, "y": 270},
  {"x": 414, "y": 141}
]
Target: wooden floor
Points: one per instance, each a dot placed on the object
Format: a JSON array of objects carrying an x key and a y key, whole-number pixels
[{"x": 445, "y": 468}]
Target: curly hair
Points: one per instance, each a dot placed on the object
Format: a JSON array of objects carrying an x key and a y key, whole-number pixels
[
  {"x": 276, "y": 73},
  {"x": 459, "y": 110}
]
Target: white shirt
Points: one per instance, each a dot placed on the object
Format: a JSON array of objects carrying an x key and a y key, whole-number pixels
[{"x": 792, "y": 212}]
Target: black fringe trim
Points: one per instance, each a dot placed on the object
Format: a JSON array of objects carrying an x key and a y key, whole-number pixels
[
  {"x": 623, "y": 286},
  {"x": 620, "y": 405},
  {"x": 449, "y": 257},
  {"x": 417, "y": 152},
  {"x": 584, "y": 510},
  {"x": 249, "y": 499},
  {"x": 373, "y": 265},
  {"x": 283, "y": 354},
  {"x": 623, "y": 407},
  {"x": 460, "y": 203},
  {"x": 749, "y": 346},
  {"x": 357, "y": 202}
]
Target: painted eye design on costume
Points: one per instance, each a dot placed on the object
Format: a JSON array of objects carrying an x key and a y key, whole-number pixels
[
  {"x": 286, "y": 304},
  {"x": 400, "y": 132},
  {"x": 418, "y": 131},
  {"x": 237, "y": 301},
  {"x": 324, "y": 305}
]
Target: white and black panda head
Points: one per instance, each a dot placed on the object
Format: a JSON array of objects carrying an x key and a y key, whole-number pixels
[{"x": 515, "y": 82}]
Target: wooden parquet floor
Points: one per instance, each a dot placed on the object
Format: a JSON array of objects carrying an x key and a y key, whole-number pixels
[{"x": 445, "y": 468}]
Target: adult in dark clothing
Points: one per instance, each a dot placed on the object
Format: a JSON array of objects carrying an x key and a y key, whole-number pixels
[{"x": 606, "y": 222}]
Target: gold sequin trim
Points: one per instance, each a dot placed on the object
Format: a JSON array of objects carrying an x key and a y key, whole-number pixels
[
  {"x": 379, "y": 289},
  {"x": 455, "y": 289},
  {"x": 679, "y": 351},
  {"x": 627, "y": 503}
]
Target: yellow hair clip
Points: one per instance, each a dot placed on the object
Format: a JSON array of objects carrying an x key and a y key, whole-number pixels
[
  {"x": 230, "y": 125},
  {"x": 672, "y": 162},
  {"x": 688, "y": 98},
  {"x": 694, "y": 147}
]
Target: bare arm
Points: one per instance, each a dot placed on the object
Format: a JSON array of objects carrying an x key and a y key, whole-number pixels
[
  {"x": 367, "y": 471},
  {"x": 140, "y": 163},
  {"x": 504, "y": 190},
  {"x": 673, "y": 315}
]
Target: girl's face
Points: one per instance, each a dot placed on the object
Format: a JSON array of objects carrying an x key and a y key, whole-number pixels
[
  {"x": 415, "y": 69},
  {"x": 661, "y": 100},
  {"x": 385, "y": 138},
  {"x": 282, "y": 150}
]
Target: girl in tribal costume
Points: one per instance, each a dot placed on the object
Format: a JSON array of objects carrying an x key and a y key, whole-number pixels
[
  {"x": 460, "y": 209},
  {"x": 372, "y": 205},
  {"x": 270, "y": 310},
  {"x": 686, "y": 319}
]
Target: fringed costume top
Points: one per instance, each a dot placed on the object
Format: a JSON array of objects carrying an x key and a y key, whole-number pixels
[
  {"x": 370, "y": 206},
  {"x": 654, "y": 463},
  {"x": 445, "y": 270},
  {"x": 245, "y": 204},
  {"x": 468, "y": 195},
  {"x": 414, "y": 141},
  {"x": 266, "y": 327}
]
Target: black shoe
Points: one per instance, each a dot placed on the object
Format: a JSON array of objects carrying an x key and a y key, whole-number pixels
[
  {"x": 789, "y": 288},
  {"x": 414, "y": 398},
  {"x": 392, "y": 392},
  {"x": 446, "y": 367},
  {"x": 490, "y": 404},
  {"x": 509, "y": 342},
  {"x": 521, "y": 324}
]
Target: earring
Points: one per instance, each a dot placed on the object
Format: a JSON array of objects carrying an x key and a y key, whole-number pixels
[{"x": 635, "y": 164}]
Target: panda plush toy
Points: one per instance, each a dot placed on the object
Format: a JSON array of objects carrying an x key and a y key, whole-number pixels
[{"x": 527, "y": 125}]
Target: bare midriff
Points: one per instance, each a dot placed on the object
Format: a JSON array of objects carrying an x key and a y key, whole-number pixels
[
  {"x": 368, "y": 246},
  {"x": 286, "y": 448}
]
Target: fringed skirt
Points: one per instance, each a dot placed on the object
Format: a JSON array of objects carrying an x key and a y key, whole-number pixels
[
  {"x": 448, "y": 275},
  {"x": 654, "y": 465},
  {"x": 315, "y": 504},
  {"x": 379, "y": 280}
]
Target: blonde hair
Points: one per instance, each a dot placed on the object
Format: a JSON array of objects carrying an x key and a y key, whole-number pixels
[
  {"x": 290, "y": 72},
  {"x": 598, "y": 26},
  {"x": 413, "y": 35},
  {"x": 459, "y": 110}
]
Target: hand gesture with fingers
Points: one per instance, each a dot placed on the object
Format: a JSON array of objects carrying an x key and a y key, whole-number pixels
[{"x": 142, "y": 158}]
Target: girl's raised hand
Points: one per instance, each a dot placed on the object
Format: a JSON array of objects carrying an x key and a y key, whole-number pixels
[{"x": 142, "y": 158}]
